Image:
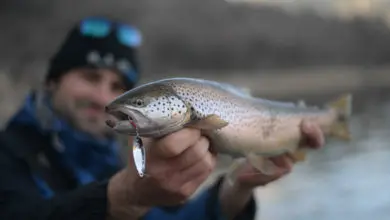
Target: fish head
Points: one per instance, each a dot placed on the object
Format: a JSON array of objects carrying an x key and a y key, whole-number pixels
[{"x": 151, "y": 110}]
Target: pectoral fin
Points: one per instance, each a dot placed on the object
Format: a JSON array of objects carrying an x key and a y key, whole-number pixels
[
  {"x": 299, "y": 155},
  {"x": 210, "y": 122},
  {"x": 263, "y": 165},
  {"x": 231, "y": 173}
]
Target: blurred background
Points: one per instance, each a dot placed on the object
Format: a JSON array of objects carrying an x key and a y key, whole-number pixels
[{"x": 280, "y": 49}]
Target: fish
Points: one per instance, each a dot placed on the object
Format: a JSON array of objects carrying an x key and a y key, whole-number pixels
[{"x": 236, "y": 123}]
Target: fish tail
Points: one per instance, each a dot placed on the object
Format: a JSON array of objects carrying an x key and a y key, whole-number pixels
[{"x": 343, "y": 106}]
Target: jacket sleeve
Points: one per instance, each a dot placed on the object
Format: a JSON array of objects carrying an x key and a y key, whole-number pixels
[
  {"x": 20, "y": 200},
  {"x": 205, "y": 206}
]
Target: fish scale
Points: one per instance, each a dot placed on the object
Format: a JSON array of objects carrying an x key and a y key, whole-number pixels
[{"x": 236, "y": 123}]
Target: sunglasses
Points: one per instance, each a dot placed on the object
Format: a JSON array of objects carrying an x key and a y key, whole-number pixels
[{"x": 100, "y": 28}]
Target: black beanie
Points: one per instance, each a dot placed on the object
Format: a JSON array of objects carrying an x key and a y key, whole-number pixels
[{"x": 84, "y": 51}]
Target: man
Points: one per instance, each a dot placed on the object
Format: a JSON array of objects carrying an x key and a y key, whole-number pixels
[{"x": 59, "y": 160}]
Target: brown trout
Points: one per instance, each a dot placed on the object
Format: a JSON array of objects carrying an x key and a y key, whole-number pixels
[{"x": 235, "y": 122}]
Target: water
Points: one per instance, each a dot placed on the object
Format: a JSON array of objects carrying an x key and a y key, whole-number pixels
[{"x": 334, "y": 184}]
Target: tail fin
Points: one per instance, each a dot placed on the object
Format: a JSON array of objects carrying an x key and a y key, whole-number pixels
[{"x": 343, "y": 105}]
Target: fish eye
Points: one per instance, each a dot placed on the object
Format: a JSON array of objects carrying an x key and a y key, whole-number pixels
[{"x": 138, "y": 102}]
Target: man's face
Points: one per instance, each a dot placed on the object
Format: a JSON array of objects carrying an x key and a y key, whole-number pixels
[{"x": 81, "y": 95}]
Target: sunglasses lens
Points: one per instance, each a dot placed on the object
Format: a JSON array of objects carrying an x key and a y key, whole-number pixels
[
  {"x": 95, "y": 27},
  {"x": 129, "y": 36}
]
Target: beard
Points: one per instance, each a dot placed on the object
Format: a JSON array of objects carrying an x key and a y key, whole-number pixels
[{"x": 94, "y": 124}]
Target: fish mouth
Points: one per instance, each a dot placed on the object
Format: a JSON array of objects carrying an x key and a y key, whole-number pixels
[{"x": 120, "y": 114}]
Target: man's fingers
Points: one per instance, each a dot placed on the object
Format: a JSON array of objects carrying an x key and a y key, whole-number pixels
[
  {"x": 188, "y": 180},
  {"x": 312, "y": 135},
  {"x": 202, "y": 167},
  {"x": 191, "y": 155},
  {"x": 283, "y": 162},
  {"x": 176, "y": 143},
  {"x": 191, "y": 186}
]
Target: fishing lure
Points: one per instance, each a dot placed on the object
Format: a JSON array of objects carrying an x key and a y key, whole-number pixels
[{"x": 139, "y": 154}]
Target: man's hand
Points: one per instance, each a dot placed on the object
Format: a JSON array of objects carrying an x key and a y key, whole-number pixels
[
  {"x": 175, "y": 167},
  {"x": 234, "y": 198}
]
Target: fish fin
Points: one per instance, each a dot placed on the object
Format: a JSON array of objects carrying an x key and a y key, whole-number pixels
[
  {"x": 343, "y": 106},
  {"x": 341, "y": 130},
  {"x": 231, "y": 174},
  {"x": 209, "y": 122},
  {"x": 247, "y": 91},
  {"x": 240, "y": 91},
  {"x": 299, "y": 155},
  {"x": 263, "y": 164}
]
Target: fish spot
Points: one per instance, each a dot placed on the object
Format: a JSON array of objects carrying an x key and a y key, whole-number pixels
[{"x": 269, "y": 126}]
